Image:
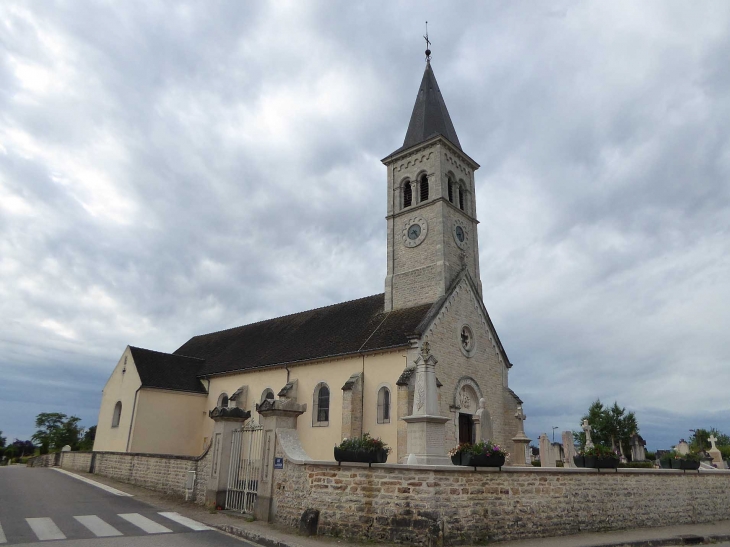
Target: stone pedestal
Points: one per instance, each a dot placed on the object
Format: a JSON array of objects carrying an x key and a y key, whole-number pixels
[
  {"x": 276, "y": 415},
  {"x": 426, "y": 429},
  {"x": 521, "y": 442},
  {"x": 226, "y": 420}
]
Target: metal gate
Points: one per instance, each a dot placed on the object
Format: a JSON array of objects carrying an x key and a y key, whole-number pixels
[{"x": 245, "y": 468}]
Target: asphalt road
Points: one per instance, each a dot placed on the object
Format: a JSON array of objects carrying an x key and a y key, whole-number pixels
[{"x": 42, "y": 506}]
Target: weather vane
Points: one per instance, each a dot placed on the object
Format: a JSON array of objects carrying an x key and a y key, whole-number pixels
[{"x": 428, "y": 44}]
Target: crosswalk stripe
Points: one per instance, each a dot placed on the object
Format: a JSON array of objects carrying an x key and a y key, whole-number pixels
[
  {"x": 3, "y": 539},
  {"x": 149, "y": 526},
  {"x": 45, "y": 529},
  {"x": 97, "y": 526},
  {"x": 185, "y": 521}
]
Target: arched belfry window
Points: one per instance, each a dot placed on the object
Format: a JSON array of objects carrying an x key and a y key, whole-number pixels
[
  {"x": 424, "y": 187},
  {"x": 268, "y": 394},
  {"x": 407, "y": 195},
  {"x": 117, "y": 414},
  {"x": 461, "y": 197},
  {"x": 321, "y": 404},
  {"x": 383, "y": 405},
  {"x": 450, "y": 184},
  {"x": 222, "y": 400}
]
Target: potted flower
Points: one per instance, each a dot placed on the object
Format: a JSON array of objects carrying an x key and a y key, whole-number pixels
[
  {"x": 458, "y": 453},
  {"x": 689, "y": 461},
  {"x": 600, "y": 456},
  {"x": 485, "y": 454},
  {"x": 363, "y": 449}
]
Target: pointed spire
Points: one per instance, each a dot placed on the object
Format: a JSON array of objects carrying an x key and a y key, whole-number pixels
[{"x": 430, "y": 116}]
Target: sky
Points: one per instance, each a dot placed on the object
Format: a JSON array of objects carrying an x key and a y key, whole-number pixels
[{"x": 169, "y": 169}]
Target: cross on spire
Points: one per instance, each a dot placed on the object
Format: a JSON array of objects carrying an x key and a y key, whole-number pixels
[{"x": 428, "y": 44}]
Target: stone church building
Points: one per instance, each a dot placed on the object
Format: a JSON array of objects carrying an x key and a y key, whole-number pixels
[{"x": 353, "y": 363}]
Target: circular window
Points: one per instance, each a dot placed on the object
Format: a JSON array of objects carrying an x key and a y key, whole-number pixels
[{"x": 467, "y": 343}]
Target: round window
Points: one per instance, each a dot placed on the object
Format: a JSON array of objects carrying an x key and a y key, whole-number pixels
[{"x": 466, "y": 341}]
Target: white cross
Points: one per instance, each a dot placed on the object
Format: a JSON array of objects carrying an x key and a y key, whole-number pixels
[{"x": 713, "y": 440}]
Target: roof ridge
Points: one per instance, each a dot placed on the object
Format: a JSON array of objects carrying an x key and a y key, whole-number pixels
[
  {"x": 288, "y": 315},
  {"x": 166, "y": 353}
]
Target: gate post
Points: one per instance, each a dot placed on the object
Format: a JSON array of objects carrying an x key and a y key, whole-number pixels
[
  {"x": 276, "y": 415},
  {"x": 226, "y": 420}
]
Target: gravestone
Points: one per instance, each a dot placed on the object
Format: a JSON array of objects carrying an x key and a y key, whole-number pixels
[
  {"x": 521, "y": 440},
  {"x": 66, "y": 448},
  {"x": 682, "y": 447},
  {"x": 638, "y": 454},
  {"x": 587, "y": 430},
  {"x": 715, "y": 453},
  {"x": 568, "y": 449},
  {"x": 550, "y": 453}
]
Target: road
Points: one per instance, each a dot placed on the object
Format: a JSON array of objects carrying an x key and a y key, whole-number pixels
[{"x": 41, "y": 506}]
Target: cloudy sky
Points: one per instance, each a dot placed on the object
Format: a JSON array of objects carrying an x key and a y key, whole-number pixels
[{"x": 174, "y": 168}]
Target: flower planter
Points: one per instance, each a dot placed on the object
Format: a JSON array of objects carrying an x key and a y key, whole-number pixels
[
  {"x": 456, "y": 458},
  {"x": 685, "y": 465},
  {"x": 375, "y": 456},
  {"x": 579, "y": 461},
  {"x": 483, "y": 460},
  {"x": 665, "y": 464},
  {"x": 607, "y": 463},
  {"x": 596, "y": 462},
  {"x": 590, "y": 461}
]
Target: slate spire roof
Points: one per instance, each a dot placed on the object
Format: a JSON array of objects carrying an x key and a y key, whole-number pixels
[{"x": 430, "y": 116}]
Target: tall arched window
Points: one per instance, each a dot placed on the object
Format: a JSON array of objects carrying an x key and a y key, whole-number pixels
[
  {"x": 117, "y": 414},
  {"x": 451, "y": 190},
  {"x": 461, "y": 197},
  {"x": 407, "y": 194},
  {"x": 424, "y": 188},
  {"x": 321, "y": 403},
  {"x": 383, "y": 405}
]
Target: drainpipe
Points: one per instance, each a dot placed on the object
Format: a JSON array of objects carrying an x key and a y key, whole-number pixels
[{"x": 131, "y": 422}]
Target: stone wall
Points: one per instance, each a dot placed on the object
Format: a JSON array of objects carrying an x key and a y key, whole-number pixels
[
  {"x": 424, "y": 506},
  {"x": 160, "y": 472}
]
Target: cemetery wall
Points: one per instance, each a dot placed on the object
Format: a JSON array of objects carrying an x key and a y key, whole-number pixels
[
  {"x": 424, "y": 506},
  {"x": 160, "y": 472}
]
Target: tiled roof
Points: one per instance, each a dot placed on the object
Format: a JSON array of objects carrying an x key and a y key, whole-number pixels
[
  {"x": 341, "y": 329},
  {"x": 167, "y": 371}
]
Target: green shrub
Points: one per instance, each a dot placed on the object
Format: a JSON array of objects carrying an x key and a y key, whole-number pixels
[
  {"x": 725, "y": 451},
  {"x": 650, "y": 455},
  {"x": 366, "y": 443}
]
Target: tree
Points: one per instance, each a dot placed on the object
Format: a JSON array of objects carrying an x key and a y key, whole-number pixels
[
  {"x": 699, "y": 439},
  {"x": 87, "y": 442},
  {"x": 57, "y": 430},
  {"x": 610, "y": 426},
  {"x": 20, "y": 449},
  {"x": 3, "y": 440}
]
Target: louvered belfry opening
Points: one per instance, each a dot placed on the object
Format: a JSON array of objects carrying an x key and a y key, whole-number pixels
[
  {"x": 424, "y": 188},
  {"x": 461, "y": 198},
  {"x": 407, "y": 195},
  {"x": 451, "y": 191}
]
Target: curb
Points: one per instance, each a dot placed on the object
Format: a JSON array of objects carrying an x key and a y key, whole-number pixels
[
  {"x": 685, "y": 539},
  {"x": 253, "y": 536}
]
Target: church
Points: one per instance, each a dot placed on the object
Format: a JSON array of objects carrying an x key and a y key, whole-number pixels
[{"x": 352, "y": 364}]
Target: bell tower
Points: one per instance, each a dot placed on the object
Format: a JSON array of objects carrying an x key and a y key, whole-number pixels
[{"x": 432, "y": 225}]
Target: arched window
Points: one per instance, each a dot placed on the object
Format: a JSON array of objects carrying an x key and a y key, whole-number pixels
[
  {"x": 117, "y": 414},
  {"x": 321, "y": 414},
  {"x": 461, "y": 197},
  {"x": 407, "y": 195},
  {"x": 451, "y": 190},
  {"x": 424, "y": 188},
  {"x": 383, "y": 405},
  {"x": 222, "y": 400}
]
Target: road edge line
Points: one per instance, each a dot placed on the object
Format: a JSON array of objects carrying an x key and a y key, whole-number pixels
[{"x": 109, "y": 489}]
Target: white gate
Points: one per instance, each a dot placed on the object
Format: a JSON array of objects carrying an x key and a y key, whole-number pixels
[{"x": 245, "y": 468}]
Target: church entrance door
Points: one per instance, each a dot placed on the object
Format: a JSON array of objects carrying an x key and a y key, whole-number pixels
[{"x": 466, "y": 428}]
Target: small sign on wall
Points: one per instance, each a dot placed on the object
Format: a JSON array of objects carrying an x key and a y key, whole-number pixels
[{"x": 278, "y": 463}]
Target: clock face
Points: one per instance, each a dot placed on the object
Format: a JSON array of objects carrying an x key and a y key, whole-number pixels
[
  {"x": 414, "y": 231},
  {"x": 460, "y": 234}
]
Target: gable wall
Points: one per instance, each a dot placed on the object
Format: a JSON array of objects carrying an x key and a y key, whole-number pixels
[
  {"x": 484, "y": 366},
  {"x": 119, "y": 387}
]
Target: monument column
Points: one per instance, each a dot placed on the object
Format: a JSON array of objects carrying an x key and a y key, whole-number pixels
[
  {"x": 521, "y": 441},
  {"x": 426, "y": 429}
]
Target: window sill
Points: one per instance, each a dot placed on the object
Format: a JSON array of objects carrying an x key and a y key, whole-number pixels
[{"x": 320, "y": 424}]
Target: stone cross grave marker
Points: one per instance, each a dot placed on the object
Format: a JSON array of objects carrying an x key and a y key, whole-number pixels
[
  {"x": 587, "y": 429},
  {"x": 715, "y": 453}
]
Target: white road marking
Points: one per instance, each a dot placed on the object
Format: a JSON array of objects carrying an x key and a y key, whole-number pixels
[
  {"x": 45, "y": 529},
  {"x": 149, "y": 526},
  {"x": 98, "y": 527},
  {"x": 94, "y": 483},
  {"x": 3, "y": 539},
  {"x": 185, "y": 521}
]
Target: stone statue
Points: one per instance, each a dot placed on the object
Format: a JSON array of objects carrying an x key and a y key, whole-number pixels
[
  {"x": 485, "y": 421},
  {"x": 587, "y": 429}
]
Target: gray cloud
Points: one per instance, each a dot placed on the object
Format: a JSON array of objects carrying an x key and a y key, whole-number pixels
[{"x": 168, "y": 169}]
